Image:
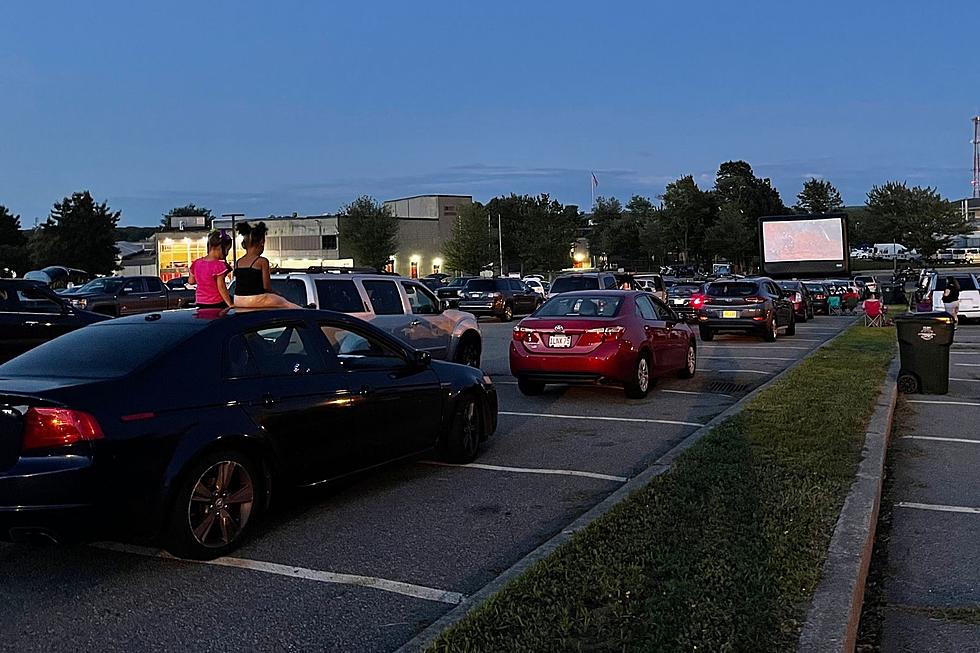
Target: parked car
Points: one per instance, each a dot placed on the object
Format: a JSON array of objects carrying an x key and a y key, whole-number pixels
[
  {"x": 403, "y": 307},
  {"x": 575, "y": 281},
  {"x": 90, "y": 432},
  {"x": 755, "y": 305},
  {"x": 116, "y": 296},
  {"x": 450, "y": 291},
  {"x": 686, "y": 297},
  {"x": 800, "y": 296},
  {"x": 626, "y": 337},
  {"x": 500, "y": 297},
  {"x": 535, "y": 284},
  {"x": 431, "y": 283},
  {"x": 867, "y": 283},
  {"x": 31, "y": 314},
  {"x": 59, "y": 277},
  {"x": 820, "y": 296},
  {"x": 179, "y": 283},
  {"x": 652, "y": 283},
  {"x": 969, "y": 292}
]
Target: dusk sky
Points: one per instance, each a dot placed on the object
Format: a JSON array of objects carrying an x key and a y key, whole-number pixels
[{"x": 302, "y": 106}]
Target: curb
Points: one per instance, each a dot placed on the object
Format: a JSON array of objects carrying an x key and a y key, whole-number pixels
[
  {"x": 427, "y": 637},
  {"x": 835, "y": 611}
]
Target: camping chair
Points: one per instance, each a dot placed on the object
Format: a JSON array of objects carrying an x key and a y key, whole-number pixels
[
  {"x": 873, "y": 313},
  {"x": 850, "y": 302},
  {"x": 833, "y": 305}
]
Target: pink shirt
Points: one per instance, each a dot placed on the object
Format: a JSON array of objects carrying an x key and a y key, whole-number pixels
[{"x": 206, "y": 272}]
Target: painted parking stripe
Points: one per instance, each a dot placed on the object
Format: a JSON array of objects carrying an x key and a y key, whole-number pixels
[
  {"x": 938, "y": 439},
  {"x": 970, "y": 380},
  {"x": 746, "y": 371},
  {"x": 691, "y": 392},
  {"x": 601, "y": 419},
  {"x": 394, "y": 586},
  {"x": 752, "y": 346},
  {"x": 938, "y": 507},
  {"x": 530, "y": 470},
  {"x": 964, "y": 353},
  {"x": 967, "y": 364},
  {"x": 748, "y": 358},
  {"x": 943, "y": 402},
  {"x": 609, "y": 387}
]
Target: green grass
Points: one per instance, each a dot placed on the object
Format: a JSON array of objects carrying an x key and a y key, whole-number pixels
[{"x": 723, "y": 552}]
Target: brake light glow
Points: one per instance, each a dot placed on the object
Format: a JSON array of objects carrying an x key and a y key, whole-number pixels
[
  {"x": 697, "y": 300},
  {"x": 58, "y": 427}
]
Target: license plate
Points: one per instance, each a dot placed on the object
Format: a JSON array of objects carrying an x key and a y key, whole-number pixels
[
  {"x": 678, "y": 302},
  {"x": 559, "y": 341},
  {"x": 729, "y": 313}
]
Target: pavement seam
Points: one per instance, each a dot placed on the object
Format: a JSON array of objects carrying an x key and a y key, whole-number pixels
[
  {"x": 834, "y": 612},
  {"x": 428, "y": 636}
]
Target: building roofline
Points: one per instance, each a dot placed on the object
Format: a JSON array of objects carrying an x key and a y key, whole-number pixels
[{"x": 415, "y": 197}]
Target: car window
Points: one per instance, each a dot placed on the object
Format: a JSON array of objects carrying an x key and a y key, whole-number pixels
[
  {"x": 682, "y": 290},
  {"x": 516, "y": 286},
  {"x": 967, "y": 282},
  {"x": 339, "y": 295},
  {"x": 361, "y": 350},
  {"x": 609, "y": 283},
  {"x": 662, "y": 310},
  {"x": 292, "y": 289},
  {"x": 481, "y": 285},
  {"x": 279, "y": 351},
  {"x": 646, "y": 308},
  {"x": 732, "y": 289},
  {"x": 571, "y": 284},
  {"x": 35, "y": 301},
  {"x": 420, "y": 299},
  {"x": 384, "y": 297},
  {"x": 154, "y": 285},
  {"x": 132, "y": 286},
  {"x": 588, "y": 306}
]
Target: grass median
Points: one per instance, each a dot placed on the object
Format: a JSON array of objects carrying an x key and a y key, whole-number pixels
[{"x": 723, "y": 552}]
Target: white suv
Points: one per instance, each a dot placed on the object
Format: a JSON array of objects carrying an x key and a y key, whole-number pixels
[
  {"x": 969, "y": 292},
  {"x": 402, "y": 307}
]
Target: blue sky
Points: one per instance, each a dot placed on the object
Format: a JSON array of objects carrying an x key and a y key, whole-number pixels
[{"x": 301, "y": 106}]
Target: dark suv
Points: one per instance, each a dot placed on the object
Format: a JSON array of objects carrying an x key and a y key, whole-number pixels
[
  {"x": 501, "y": 297},
  {"x": 583, "y": 281},
  {"x": 751, "y": 305},
  {"x": 451, "y": 290}
]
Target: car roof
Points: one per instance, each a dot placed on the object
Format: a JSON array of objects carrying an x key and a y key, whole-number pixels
[
  {"x": 341, "y": 275},
  {"x": 604, "y": 293},
  {"x": 205, "y": 317}
]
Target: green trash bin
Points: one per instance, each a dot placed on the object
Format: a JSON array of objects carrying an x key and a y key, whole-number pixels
[{"x": 923, "y": 343}]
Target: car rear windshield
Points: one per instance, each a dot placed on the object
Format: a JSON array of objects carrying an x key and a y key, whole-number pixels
[
  {"x": 734, "y": 289},
  {"x": 457, "y": 282},
  {"x": 790, "y": 285},
  {"x": 105, "y": 351},
  {"x": 571, "y": 284},
  {"x": 966, "y": 283},
  {"x": 481, "y": 285},
  {"x": 815, "y": 287},
  {"x": 683, "y": 290},
  {"x": 579, "y": 306}
]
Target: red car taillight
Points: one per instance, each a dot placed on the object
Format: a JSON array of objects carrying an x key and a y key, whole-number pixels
[
  {"x": 58, "y": 427},
  {"x": 821, "y": 296},
  {"x": 797, "y": 298},
  {"x": 754, "y": 300},
  {"x": 598, "y": 336},
  {"x": 523, "y": 334},
  {"x": 697, "y": 301}
]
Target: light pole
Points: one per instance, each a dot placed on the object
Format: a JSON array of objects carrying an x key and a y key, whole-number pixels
[{"x": 234, "y": 238}]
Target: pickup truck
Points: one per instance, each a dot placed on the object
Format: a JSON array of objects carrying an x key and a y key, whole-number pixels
[{"x": 116, "y": 296}]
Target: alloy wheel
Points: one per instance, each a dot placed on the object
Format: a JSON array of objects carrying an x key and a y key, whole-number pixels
[
  {"x": 692, "y": 360},
  {"x": 471, "y": 427},
  {"x": 220, "y": 504},
  {"x": 643, "y": 374}
]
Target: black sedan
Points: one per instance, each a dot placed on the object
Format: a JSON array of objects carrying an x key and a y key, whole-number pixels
[
  {"x": 31, "y": 314},
  {"x": 180, "y": 425},
  {"x": 820, "y": 296}
]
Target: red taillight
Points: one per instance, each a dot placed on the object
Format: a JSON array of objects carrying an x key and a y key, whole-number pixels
[
  {"x": 821, "y": 296},
  {"x": 697, "y": 301},
  {"x": 797, "y": 298},
  {"x": 523, "y": 334},
  {"x": 754, "y": 300},
  {"x": 598, "y": 336},
  {"x": 57, "y": 427}
]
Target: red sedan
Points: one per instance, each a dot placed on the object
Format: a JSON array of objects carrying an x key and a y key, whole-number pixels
[{"x": 627, "y": 337}]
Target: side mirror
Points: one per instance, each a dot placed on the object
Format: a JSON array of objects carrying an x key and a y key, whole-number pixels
[
  {"x": 310, "y": 305},
  {"x": 422, "y": 359},
  {"x": 444, "y": 304}
]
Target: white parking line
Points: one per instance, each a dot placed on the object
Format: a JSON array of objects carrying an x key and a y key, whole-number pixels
[
  {"x": 752, "y": 346},
  {"x": 691, "y": 392},
  {"x": 937, "y": 439},
  {"x": 394, "y": 586},
  {"x": 938, "y": 507},
  {"x": 746, "y": 371},
  {"x": 530, "y": 470},
  {"x": 942, "y": 403},
  {"x": 748, "y": 358},
  {"x": 970, "y": 380},
  {"x": 964, "y": 353},
  {"x": 609, "y": 387},
  {"x": 601, "y": 419},
  {"x": 967, "y": 364}
]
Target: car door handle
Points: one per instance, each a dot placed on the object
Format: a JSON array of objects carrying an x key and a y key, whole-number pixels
[
  {"x": 32, "y": 323},
  {"x": 268, "y": 401},
  {"x": 415, "y": 323},
  {"x": 365, "y": 391}
]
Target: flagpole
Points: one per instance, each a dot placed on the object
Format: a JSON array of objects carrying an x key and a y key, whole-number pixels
[{"x": 592, "y": 188}]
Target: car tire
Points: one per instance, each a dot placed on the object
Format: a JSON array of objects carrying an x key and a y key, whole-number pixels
[
  {"x": 690, "y": 362},
  {"x": 462, "y": 441},
  {"x": 771, "y": 329},
  {"x": 530, "y": 388},
  {"x": 508, "y": 313},
  {"x": 791, "y": 327},
  {"x": 803, "y": 318},
  {"x": 226, "y": 483},
  {"x": 638, "y": 386},
  {"x": 468, "y": 350},
  {"x": 707, "y": 335}
]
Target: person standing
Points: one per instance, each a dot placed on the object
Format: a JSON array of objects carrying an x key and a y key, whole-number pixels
[
  {"x": 253, "y": 284},
  {"x": 210, "y": 273},
  {"x": 951, "y": 298}
]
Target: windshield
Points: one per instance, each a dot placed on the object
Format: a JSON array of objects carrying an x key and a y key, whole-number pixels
[
  {"x": 571, "y": 284},
  {"x": 731, "y": 289},
  {"x": 579, "y": 306},
  {"x": 94, "y": 352},
  {"x": 106, "y": 285},
  {"x": 685, "y": 290},
  {"x": 481, "y": 285},
  {"x": 458, "y": 282},
  {"x": 965, "y": 282},
  {"x": 790, "y": 285},
  {"x": 815, "y": 287}
]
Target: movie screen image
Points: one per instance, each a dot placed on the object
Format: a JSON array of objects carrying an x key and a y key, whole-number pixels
[{"x": 798, "y": 246}]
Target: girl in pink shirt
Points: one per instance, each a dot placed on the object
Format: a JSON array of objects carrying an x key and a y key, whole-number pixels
[{"x": 210, "y": 273}]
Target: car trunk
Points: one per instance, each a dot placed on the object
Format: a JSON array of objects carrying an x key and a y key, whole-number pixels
[
  {"x": 19, "y": 394},
  {"x": 563, "y": 336}
]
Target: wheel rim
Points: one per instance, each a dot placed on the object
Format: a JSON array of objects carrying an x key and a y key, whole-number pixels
[
  {"x": 471, "y": 355},
  {"x": 643, "y": 375},
  {"x": 220, "y": 504},
  {"x": 692, "y": 360},
  {"x": 509, "y": 312},
  {"x": 775, "y": 328},
  {"x": 471, "y": 426}
]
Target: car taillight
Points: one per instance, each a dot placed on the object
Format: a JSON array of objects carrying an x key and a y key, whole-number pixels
[
  {"x": 600, "y": 335},
  {"x": 797, "y": 298},
  {"x": 754, "y": 300},
  {"x": 821, "y": 296},
  {"x": 697, "y": 301},
  {"x": 523, "y": 334},
  {"x": 57, "y": 427}
]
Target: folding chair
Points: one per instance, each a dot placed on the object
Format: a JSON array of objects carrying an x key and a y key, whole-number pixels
[
  {"x": 833, "y": 305},
  {"x": 873, "y": 313}
]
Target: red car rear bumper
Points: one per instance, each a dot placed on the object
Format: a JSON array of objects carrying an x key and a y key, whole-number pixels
[{"x": 611, "y": 360}]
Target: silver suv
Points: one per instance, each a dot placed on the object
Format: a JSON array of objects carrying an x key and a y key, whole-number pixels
[{"x": 402, "y": 307}]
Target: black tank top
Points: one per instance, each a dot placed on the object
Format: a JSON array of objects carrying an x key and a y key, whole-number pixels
[{"x": 248, "y": 281}]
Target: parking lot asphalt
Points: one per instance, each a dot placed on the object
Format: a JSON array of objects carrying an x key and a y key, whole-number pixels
[
  {"x": 931, "y": 580},
  {"x": 368, "y": 565}
]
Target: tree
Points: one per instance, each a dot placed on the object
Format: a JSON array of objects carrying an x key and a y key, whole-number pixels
[
  {"x": 687, "y": 212},
  {"x": 368, "y": 231},
  {"x": 818, "y": 196},
  {"x": 739, "y": 192},
  {"x": 605, "y": 214},
  {"x": 916, "y": 217},
  {"x": 731, "y": 237},
  {"x": 468, "y": 248},
  {"x": 13, "y": 253},
  {"x": 79, "y": 233},
  {"x": 548, "y": 234},
  {"x": 187, "y": 211}
]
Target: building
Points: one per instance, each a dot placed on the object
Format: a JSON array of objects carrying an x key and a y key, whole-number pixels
[
  {"x": 137, "y": 259},
  {"x": 425, "y": 224},
  {"x": 185, "y": 241},
  {"x": 971, "y": 213},
  {"x": 298, "y": 242}
]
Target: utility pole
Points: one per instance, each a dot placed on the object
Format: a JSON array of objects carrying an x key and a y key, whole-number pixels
[
  {"x": 500, "y": 244},
  {"x": 976, "y": 157}
]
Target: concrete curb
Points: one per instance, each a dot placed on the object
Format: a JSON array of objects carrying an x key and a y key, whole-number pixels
[
  {"x": 835, "y": 611},
  {"x": 427, "y": 637}
]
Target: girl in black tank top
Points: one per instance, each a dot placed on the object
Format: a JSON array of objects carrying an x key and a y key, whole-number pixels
[{"x": 253, "y": 288}]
